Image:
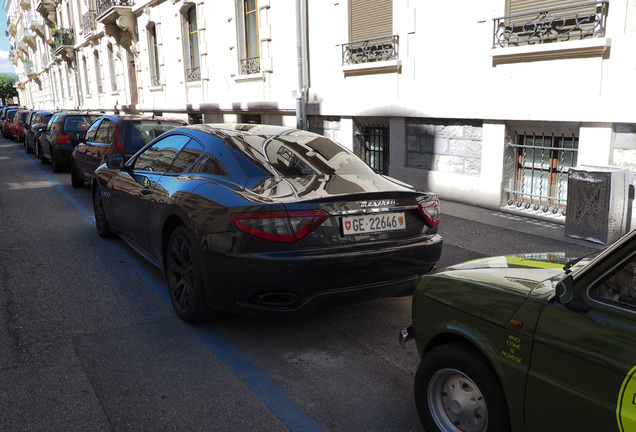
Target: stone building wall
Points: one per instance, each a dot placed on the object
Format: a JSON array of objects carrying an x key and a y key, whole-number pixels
[{"x": 446, "y": 146}]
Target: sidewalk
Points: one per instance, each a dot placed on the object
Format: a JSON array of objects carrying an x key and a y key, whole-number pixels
[{"x": 509, "y": 221}]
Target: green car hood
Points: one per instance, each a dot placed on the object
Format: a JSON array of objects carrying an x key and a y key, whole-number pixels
[{"x": 494, "y": 288}]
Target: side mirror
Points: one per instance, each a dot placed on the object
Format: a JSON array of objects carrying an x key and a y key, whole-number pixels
[
  {"x": 115, "y": 162},
  {"x": 38, "y": 128},
  {"x": 565, "y": 290},
  {"x": 566, "y": 295}
]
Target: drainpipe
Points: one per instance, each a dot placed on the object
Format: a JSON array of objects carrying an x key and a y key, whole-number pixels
[{"x": 301, "y": 49}]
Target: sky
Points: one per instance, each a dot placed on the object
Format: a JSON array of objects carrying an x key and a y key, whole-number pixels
[{"x": 5, "y": 46}]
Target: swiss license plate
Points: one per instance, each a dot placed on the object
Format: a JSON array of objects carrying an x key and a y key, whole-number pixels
[{"x": 374, "y": 223}]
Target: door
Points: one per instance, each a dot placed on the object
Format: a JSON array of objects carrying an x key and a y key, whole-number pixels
[
  {"x": 132, "y": 188},
  {"x": 581, "y": 359}
]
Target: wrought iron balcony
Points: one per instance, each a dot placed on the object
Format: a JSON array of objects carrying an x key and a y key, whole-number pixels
[
  {"x": 89, "y": 22},
  {"x": 250, "y": 65},
  {"x": 193, "y": 74},
  {"x": 155, "y": 80},
  {"x": 109, "y": 10},
  {"x": 371, "y": 50},
  {"x": 585, "y": 20},
  {"x": 62, "y": 43}
]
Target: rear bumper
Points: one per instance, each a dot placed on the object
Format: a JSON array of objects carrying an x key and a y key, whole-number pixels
[{"x": 297, "y": 283}]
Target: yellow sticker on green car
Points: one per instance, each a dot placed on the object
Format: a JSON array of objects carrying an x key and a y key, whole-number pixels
[{"x": 626, "y": 406}]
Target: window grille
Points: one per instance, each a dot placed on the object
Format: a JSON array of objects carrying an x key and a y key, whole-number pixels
[
  {"x": 374, "y": 147},
  {"x": 251, "y": 118},
  {"x": 541, "y": 171}
]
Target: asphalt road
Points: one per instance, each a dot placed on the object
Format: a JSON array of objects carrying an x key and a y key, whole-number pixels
[{"x": 89, "y": 341}]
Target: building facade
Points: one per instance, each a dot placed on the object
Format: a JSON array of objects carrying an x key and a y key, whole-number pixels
[{"x": 487, "y": 102}]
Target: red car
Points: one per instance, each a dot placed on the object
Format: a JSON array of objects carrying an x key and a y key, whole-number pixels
[
  {"x": 16, "y": 127},
  {"x": 7, "y": 121}
]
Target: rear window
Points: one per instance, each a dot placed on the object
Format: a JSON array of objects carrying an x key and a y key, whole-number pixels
[
  {"x": 300, "y": 154},
  {"x": 78, "y": 123},
  {"x": 137, "y": 133}
]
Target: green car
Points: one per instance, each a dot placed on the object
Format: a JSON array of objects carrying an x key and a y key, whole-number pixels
[{"x": 539, "y": 342}]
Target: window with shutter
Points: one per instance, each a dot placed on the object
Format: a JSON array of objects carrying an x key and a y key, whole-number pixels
[{"x": 370, "y": 32}]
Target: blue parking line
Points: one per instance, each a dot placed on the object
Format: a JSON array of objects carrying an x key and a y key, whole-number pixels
[{"x": 282, "y": 405}]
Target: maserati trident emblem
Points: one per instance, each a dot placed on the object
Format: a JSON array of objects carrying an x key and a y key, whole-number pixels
[{"x": 379, "y": 203}]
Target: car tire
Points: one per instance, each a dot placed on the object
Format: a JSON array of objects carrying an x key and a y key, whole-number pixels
[
  {"x": 101, "y": 222},
  {"x": 76, "y": 181},
  {"x": 38, "y": 150},
  {"x": 456, "y": 389},
  {"x": 184, "y": 278},
  {"x": 27, "y": 148}
]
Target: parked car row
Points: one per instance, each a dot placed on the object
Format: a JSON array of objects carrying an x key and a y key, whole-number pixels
[
  {"x": 252, "y": 219},
  {"x": 311, "y": 221}
]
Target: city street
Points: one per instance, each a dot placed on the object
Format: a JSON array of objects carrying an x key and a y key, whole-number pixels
[{"x": 90, "y": 342}]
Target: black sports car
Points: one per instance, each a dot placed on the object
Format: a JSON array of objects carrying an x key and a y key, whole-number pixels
[{"x": 265, "y": 220}]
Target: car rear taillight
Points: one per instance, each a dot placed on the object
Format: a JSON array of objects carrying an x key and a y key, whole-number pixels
[
  {"x": 63, "y": 139},
  {"x": 430, "y": 211},
  {"x": 279, "y": 226}
]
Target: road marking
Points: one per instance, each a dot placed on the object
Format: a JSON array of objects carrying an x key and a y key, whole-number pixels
[
  {"x": 29, "y": 185},
  {"x": 282, "y": 405}
]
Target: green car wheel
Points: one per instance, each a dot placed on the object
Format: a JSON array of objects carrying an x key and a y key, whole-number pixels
[{"x": 456, "y": 390}]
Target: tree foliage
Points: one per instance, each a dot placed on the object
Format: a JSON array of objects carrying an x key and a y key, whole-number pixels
[{"x": 7, "y": 89}]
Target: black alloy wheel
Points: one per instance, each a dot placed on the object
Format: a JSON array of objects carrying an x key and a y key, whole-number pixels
[
  {"x": 101, "y": 223},
  {"x": 184, "y": 279}
]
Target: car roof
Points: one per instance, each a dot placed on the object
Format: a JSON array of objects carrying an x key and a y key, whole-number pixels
[
  {"x": 241, "y": 129},
  {"x": 136, "y": 117}
]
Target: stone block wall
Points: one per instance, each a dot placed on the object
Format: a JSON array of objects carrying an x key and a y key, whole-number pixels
[{"x": 446, "y": 146}]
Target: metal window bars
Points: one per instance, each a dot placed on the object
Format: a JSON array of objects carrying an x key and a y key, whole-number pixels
[
  {"x": 565, "y": 23},
  {"x": 541, "y": 171},
  {"x": 374, "y": 147}
]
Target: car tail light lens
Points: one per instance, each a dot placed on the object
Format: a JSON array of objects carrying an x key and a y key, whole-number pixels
[
  {"x": 430, "y": 211},
  {"x": 63, "y": 139},
  {"x": 280, "y": 226}
]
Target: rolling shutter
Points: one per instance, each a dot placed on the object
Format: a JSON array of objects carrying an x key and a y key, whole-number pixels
[
  {"x": 528, "y": 6},
  {"x": 370, "y": 19}
]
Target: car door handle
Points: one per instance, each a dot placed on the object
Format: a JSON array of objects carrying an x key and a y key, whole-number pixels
[{"x": 144, "y": 191}]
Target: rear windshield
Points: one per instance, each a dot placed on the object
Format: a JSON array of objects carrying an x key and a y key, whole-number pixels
[
  {"x": 299, "y": 155},
  {"x": 78, "y": 123},
  {"x": 137, "y": 133}
]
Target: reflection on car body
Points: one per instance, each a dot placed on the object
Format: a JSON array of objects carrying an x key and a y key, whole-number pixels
[{"x": 239, "y": 226}]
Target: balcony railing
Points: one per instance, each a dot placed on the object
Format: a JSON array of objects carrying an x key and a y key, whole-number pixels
[
  {"x": 89, "y": 22},
  {"x": 585, "y": 20},
  {"x": 193, "y": 74},
  {"x": 64, "y": 37},
  {"x": 103, "y": 6},
  {"x": 250, "y": 65},
  {"x": 371, "y": 50}
]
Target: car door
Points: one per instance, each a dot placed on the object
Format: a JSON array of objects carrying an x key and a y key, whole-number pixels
[
  {"x": 47, "y": 135},
  {"x": 582, "y": 358},
  {"x": 97, "y": 150},
  {"x": 83, "y": 152},
  {"x": 132, "y": 189}
]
